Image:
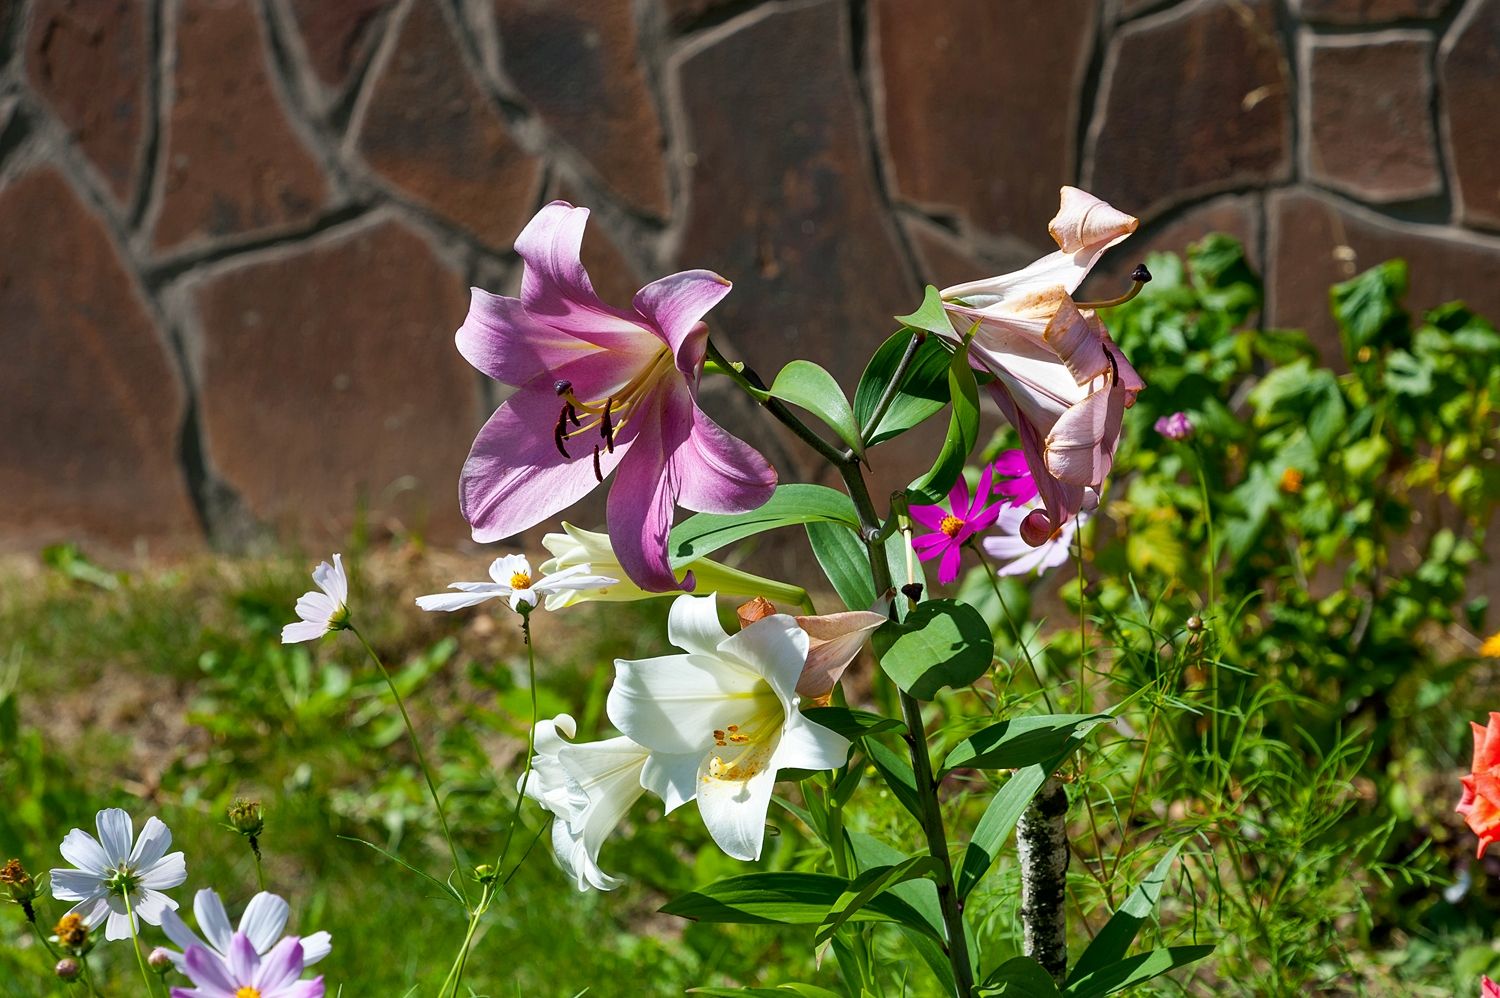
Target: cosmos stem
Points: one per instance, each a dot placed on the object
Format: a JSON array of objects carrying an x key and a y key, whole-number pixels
[{"x": 135, "y": 943}]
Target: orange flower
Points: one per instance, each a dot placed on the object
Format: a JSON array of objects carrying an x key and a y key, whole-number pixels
[
  {"x": 1481, "y": 801},
  {"x": 1491, "y": 646}
]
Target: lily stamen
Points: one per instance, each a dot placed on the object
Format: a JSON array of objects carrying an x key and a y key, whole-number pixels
[{"x": 1139, "y": 278}]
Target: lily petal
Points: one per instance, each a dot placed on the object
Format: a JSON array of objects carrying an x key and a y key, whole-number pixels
[
  {"x": 693, "y": 624},
  {"x": 675, "y": 305},
  {"x": 718, "y": 472},
  {"x": 555, "y": 285},
  {"x": 834, "y": 640},
  {"x": 501, "y": 339},
  {"x": 734, "y": 811},
  {"x": 640, "y": 505},
  {"x": 674, "y": 703}
]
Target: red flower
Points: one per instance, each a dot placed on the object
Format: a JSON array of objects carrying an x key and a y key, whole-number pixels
[{"x": 1481, "y": 801}]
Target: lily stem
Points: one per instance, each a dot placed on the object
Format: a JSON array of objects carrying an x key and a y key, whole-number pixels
[
  {"x": 416, "y": 744},
  {"x": 756, "y": 389}
]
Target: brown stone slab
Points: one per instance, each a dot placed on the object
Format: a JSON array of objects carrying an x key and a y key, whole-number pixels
[
  {"x": 1193, "y": 101},
  {"x": 432, "y": 134},
  {"x": 233, "y": 164},
  {"x": 89, "y": 62},
  {"x": 339, "y": 35},
  {"x": 1367, "y": 11},
  {"x": 329, "y": 379},
  {"x": 978, "y": 105},
  {"x": 1367, "y": 123},
  {"x": 783, "y": 200},
  {"x": 578, "y": 66},
  {"x": 90, "y": 397},
  {"x": 1315, "y": 241},
  {"x": 1470, "y": 79}
]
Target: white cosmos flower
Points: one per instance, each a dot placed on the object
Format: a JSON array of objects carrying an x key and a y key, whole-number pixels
[
  {"x": 1018, "y": 557},
  {"x": 114, "y": 865},
  {"x": 589, "y": 787},
  {"x": 513, "y": 578},
  {"x": 323, "y": 611},
  {"x": 263, "y": 923},
  {"x": 248, "y": 974},
  {"x": 722, "y": 719}
]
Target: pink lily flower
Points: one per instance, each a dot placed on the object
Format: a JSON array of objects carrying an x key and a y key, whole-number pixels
[
  {"x": 600, "y": 390},
  {"x": 1059, "y": 378},
  {"x": 951, "y": 527}
]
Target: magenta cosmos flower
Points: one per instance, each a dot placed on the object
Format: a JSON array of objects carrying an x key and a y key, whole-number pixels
[
  {"x": 244, "y": 973},
  {"x": 1058, "y": 377},
  {"x": 951, "y": 527},
  {"x": 599, "y": 391}
]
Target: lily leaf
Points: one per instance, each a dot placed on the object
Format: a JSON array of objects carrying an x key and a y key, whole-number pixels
[
  {"x": 1113, "y": 941},
  {"x": 844, "y": 560},
  {"x": 921, "y": 394},
  {"x": 940, "y": 643},
  {"x": 852, "y": 723},
  {"x": 963, "y": 433},
  {"x": 929, "y": 315},
  {"x": 704, "y": 533},
  {"x": 995, "y": 825},
  {"x": 786, "y": 899},
  {"x": 1136, "y": 970},
  {"x": 809, "y": 386},
  {"x": 868, "y": 885},
  {"x": 1020, "y": 977},
  {"x": 1021, "y": 741}
]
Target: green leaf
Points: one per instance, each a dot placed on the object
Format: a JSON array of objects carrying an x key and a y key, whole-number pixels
[
  {"x": 852, "y": 723},
  {"x": 995, "y": 826},
  {"x": 940, "y": 643},
  {"x": 897, "y": 774},
  {"x": 704, "y": 533},
  {"x": 1368, "y": 306},
  {"x": 1408, "y": 375},
  {"x": 1113, "y": 941},
  {"x": 845, "y": 561},
  {"x": 1136, "y": 970},
  {"x": 923, "y": 391},
  {"x": 963, "y": 433},
  {"x": 807, "y": 385},
  {"x": 1021, "y": 741},
  {"x": 785, "y": 899},
  {"x": 929, "y": 315},
  {"x": 868, "y": 885},
  {"x": 1021, "y": 977},
  {"x": 922, "y": 895}
]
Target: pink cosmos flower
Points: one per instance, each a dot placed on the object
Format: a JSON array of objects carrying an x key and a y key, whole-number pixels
[
  {"x": 1013, "y": 478},
  {"x": 244, "y": 972},
  {"x": 600, "y": 390},
  {"x": 951, "y": 527},
  {"x": 1059, "y": 378}
]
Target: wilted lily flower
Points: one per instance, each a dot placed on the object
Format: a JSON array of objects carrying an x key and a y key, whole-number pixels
[
  {"x": 513, "y": 578},
  {"x": 323, "y": 611},
  {"x": 578, "y": 547},
  {"x": 263, "y": 923},
  {"x": 950, "y": 527},
  {"x": 115, "y": 866},
  {"x": 834, "y": 639},
  {"x": 600, "y": 390},
  {"x": 722, "y": 719},
  {"x": 1058, "y": 377}
]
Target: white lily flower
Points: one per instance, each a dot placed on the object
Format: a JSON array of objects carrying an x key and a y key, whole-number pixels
[
  {"x": 117, "y": 865},
  {"x": 513, "y": 578},
  {"x": 589, "y": 787},
  {"x": 323, "y": 611},
  {"x": 1017, "y": 556},
  {"x": 576, "y": 546},
  {"x": 723, "y": 718},
  {"x": 263, "y": 923}
]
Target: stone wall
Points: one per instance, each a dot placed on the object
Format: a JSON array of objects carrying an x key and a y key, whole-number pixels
[{"x": 235, "y": 235}]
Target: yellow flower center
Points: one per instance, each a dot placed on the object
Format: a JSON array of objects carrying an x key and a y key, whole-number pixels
[
  {"x": 247, "y": 992},
  {"x": 743, "y": 750},
  {"x": 520, "y": 580},
  {"x": 608, "y": 415},
  {"x": 951, "y": 525}
]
